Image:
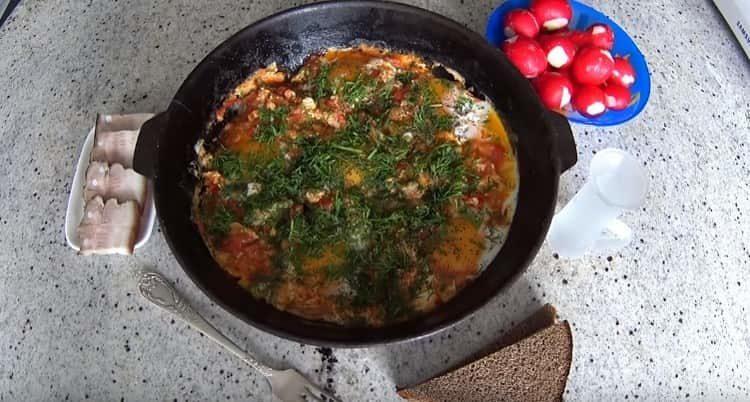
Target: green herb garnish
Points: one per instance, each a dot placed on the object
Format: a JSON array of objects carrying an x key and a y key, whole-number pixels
[
  {"x": 272, "y": 123},
  {"x": 229, "y": 165},
  {"x": 428, "y": 121},
  {"x": 321, "y": 84},
  {"x": 218, "y": 223},
  {"x": 405, "y": 77},
  {"x": 359, "y": 91}
]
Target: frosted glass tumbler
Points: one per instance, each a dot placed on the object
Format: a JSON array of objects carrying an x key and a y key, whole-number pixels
[{"x": 589, "y": 222}]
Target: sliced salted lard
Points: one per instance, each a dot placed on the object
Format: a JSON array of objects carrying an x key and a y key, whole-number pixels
[
  {"x": 114, "y": 182},
  {"x": 114, "y": 122},
  {"x": 108, "y": 228},
  {"x": 115, "y": 147}
]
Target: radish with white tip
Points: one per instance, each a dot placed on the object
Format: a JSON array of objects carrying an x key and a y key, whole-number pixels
[
  {"x": 552, "y": 14},
  {"x": 589, "y": 100},
  {"x": 623, "y": 73},
  {"x": 580, "y": 38},
  {"x": 601, "y": 36},
  {"x": 560, "y": 50},
  {"x": 616, "y": 97},
  {"x": 592, "y": 66},
  {"x": 526, "y": 55},
  {"x": 554, "y": 89},
  {"x": 521, "y": 22}
]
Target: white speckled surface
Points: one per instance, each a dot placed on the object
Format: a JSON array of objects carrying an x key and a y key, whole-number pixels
[{"x": 665, "y": 319}]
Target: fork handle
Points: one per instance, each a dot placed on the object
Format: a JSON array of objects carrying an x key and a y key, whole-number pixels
[{"x": 156, "y": 289}]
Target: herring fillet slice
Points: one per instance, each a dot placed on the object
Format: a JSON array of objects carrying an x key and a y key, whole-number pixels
[
  {"x": 114, "y": 182},
  {"x": 108, "y": 228}
]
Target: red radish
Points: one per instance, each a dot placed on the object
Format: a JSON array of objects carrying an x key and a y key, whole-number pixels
[
  {"x": 526, "y": 55},
  {"x": 592, "y": 66},
  {"x": 623, "y": 73},
  {"x": 616, "y": 97},
  {"x": 565, "y": 72},
  {"x": 521, "y": 22},
  {"x": 552, "y": 14},
  {"x": 549, "y": 36},
  {"x": 588, "y": 100},
  {"x": 580, "y": 38},
  {"x": 601, "y": 36},
  {"x": 560, "y": 50},
  {"x": 562, "y": 32},
  {"x": 555, "y": 90}
]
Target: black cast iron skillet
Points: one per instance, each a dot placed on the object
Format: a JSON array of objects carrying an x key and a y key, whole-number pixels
[{"x": 544, "y": 144}]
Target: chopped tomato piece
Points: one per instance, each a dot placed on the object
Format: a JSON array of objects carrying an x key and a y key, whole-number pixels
[
  {"x": 326, "y": 202},
  {"x": 235, "y": 207},
  {"x": 400, "y": 94},
  {"x": 490, "y": 150},
  {"x": 297, "y": 115},
  {"x": 244, "y": 254}
]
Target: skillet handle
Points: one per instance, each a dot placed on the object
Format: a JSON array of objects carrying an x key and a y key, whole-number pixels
[
  {"x": 147, "y": 147},
  {"x": 566, "y": 144}
]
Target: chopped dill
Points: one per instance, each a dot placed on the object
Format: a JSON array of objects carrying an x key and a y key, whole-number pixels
[
  {"x": 359, "y": 91},
  {"x": 229, "y": 165},
  {"x": 383, "y": 100},
  {"x": 322, "y": 85},
  {"x": 318, "y": 167},
  {"x": 445, "y": 162},
  {"x": 218, "y": 223},
  {"x": 272, "y": 123},
  {"x": 429, "y": 119},
  {"x": 405, "y": 77},
  {"x": 354, "y": 134}
]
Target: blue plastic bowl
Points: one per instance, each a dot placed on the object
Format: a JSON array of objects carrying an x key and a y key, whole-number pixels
[{"x": 583, "y": 17}]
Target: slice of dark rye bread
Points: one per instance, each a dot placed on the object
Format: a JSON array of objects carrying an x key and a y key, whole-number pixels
[
  {"x": 542, "y": 318},
  {"x": 533, "y": 365}
]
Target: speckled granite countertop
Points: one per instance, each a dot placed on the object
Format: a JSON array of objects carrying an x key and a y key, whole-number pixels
[{"x": 665, "y": 319}]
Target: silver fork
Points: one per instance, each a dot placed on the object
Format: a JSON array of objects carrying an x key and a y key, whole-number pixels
[{"x": 286, "y": 385}]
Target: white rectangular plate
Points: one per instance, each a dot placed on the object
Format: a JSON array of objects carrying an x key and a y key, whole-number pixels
[{"x": 76, "y": 202}]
